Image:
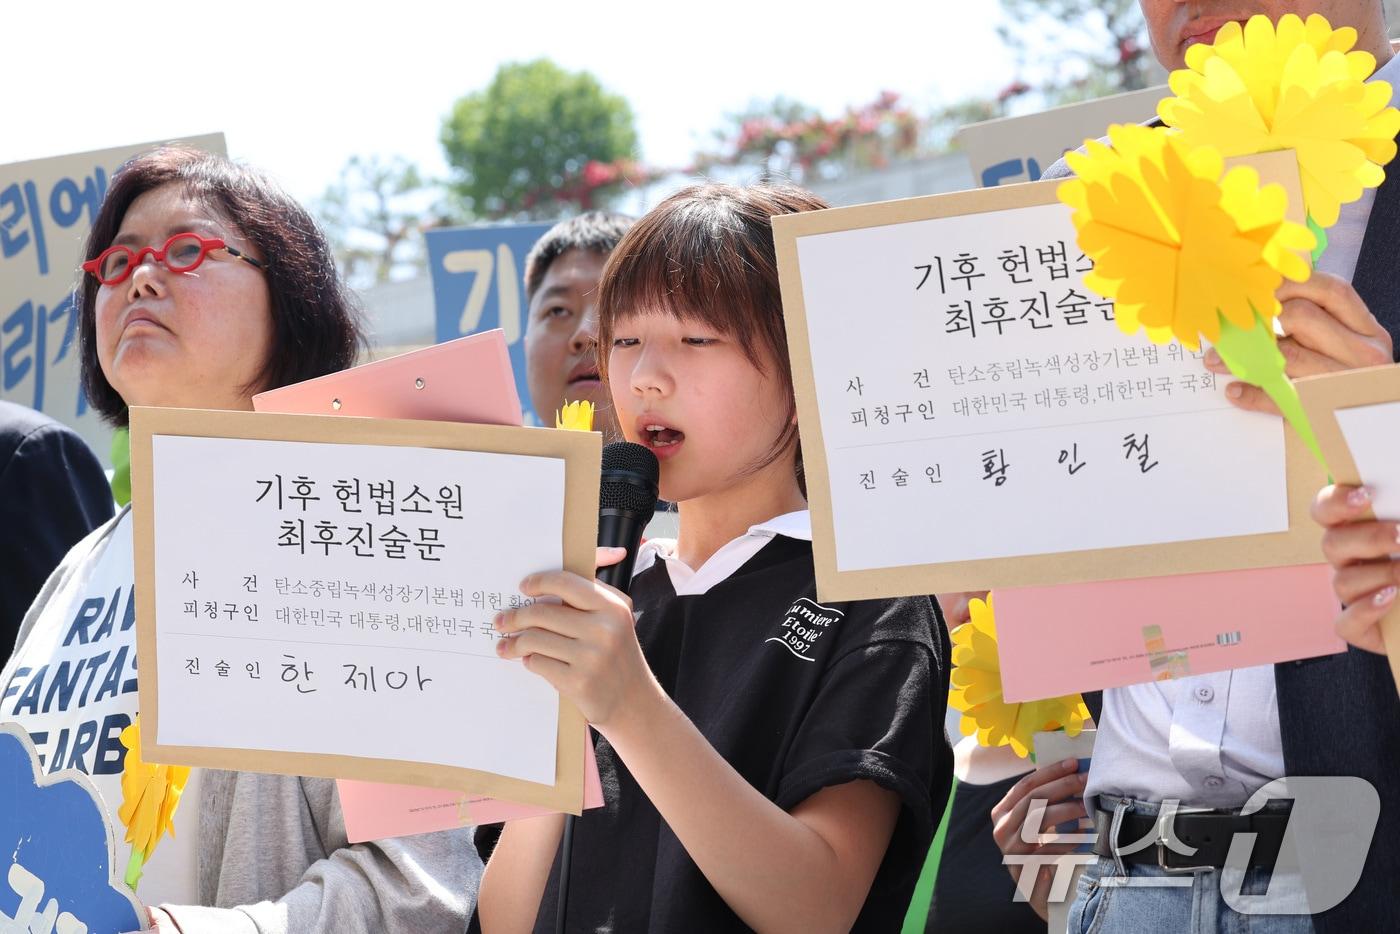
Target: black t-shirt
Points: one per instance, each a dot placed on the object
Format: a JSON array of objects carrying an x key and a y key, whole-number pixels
[{"x": 797, "y": 696}]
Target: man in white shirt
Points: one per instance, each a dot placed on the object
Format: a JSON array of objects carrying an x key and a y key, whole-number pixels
[{"x": 1211, "y": 741}]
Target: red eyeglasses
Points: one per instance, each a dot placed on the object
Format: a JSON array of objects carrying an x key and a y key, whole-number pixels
[{"x": 181, "y": 253}]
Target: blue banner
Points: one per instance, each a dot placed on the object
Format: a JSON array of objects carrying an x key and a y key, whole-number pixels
[
  {"x": 58, "y": 848},
  {"x": 479, "y": 283}
]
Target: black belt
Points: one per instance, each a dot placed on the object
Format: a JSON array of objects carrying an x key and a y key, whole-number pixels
[{"x": 1208, "y": 832}]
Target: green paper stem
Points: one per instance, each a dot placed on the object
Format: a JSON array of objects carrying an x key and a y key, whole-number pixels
[
  {"x": 121, "y": 466},
  {"x": 133, "y": 868},
  {"x": 1321, "y": 234},
  {"x": 1252, "y": 354},
  {"x": 916, "y": 918}
]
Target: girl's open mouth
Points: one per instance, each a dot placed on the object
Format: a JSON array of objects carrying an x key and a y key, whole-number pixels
[
  {"x": 659, "y": 436},
  {"x": 662, "y": 439}
]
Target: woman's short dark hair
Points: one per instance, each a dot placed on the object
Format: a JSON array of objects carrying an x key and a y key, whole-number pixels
[
  {"x": 706, "y": 254},
  {"x": 316, "y": 324}
]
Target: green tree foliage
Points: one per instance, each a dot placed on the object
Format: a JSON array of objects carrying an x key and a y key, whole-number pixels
[{"x": 517, "y": 145}]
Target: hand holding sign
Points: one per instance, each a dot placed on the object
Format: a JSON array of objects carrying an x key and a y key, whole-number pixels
[
  {"x": 586, "y": 648},
  {"x": 1329, "y": 329},
  {"x": 357, "y": 604},
  {"x": 1359, "y": 546},
  {"x": 1357, "y": 414}
]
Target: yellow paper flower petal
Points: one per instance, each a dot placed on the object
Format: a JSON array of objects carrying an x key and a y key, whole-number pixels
[
  {"x": 150, "y": 794},
  {"x": 1175, "y": 242},
  {"x": 1296, "y": 86},
  {"x": 575, "y": 416},
  {"x": 976, "y": 691}
]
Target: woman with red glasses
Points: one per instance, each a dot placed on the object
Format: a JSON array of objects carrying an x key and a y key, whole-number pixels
[{"x": 204, "y": 284}]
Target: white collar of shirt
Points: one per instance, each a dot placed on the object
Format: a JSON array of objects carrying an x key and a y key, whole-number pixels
[{"x": 734, "y": 555}]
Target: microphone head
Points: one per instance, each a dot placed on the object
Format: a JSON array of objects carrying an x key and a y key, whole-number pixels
[{"x": 630, "y": 475}]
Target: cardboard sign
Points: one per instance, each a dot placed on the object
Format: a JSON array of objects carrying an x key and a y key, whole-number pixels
[
  {"x": 1019, "y": 149},
  {"x": 60, "y": 873},
  {"x": 465, "y": 380},
  {"x": 315, "y": 596},
  {"x": 950, "y": 363}
]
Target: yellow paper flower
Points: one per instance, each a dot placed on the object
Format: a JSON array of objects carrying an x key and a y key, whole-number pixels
[
  {"x": 976, "y": 691},
  {"x": 1174, "y": 243},
  {"x": 575, "y": 416},
  {"x": 1300, "y": 87},
  {"x": 150, "y": 795}
]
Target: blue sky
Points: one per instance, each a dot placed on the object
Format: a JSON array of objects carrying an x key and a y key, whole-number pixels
[{"x": 298, "y": 88}]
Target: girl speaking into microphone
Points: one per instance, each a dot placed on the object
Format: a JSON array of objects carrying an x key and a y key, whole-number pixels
[{"x": 769, "y": 761}]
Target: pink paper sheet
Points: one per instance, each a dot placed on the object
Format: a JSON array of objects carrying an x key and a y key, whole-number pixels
[
  {"x": 465, "y": 380},
  {"x": 377, "y": 812},
  {"x": 1085, "y": 637}
]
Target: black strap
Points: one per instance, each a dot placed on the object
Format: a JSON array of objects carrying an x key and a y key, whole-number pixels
[{"x": 1209, "y": 834}]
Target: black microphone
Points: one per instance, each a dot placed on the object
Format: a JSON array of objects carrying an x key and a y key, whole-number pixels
[{"x": 626, "y": 502}]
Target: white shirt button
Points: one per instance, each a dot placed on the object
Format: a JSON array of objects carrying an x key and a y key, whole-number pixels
[{"x": 1205, "y": 694}]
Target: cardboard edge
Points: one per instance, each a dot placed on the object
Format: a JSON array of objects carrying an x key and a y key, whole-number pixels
[
  {"x": 582, "y": 454},
  {"x": 1296, "y": 546}
]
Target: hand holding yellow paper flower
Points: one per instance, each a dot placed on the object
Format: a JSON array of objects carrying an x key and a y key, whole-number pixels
[
  {"x": 150, "y": 795},
  {"x": 1188, "y": 250},
  {"x": 1176, "y": 241},
  {"x": 976, "y": 691},
  {"x": 1296, "y": 86},
  {"x": 575, "y": 416}
]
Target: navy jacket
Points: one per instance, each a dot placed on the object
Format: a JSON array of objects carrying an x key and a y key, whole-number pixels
[
  {"x": 1340, "y": 714},
  {"x": 52, "y": 493}
]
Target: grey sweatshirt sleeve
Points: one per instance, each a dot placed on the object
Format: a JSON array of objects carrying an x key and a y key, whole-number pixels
[{"x": 274, "y": 859}]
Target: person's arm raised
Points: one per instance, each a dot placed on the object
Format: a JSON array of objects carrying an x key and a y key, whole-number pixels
[{"x": 518, "y": 871}]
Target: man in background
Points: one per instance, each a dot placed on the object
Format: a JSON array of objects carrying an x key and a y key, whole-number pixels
[
  {"x": 1209, "y": 741},
  {"x": 561, "y": 336}
]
